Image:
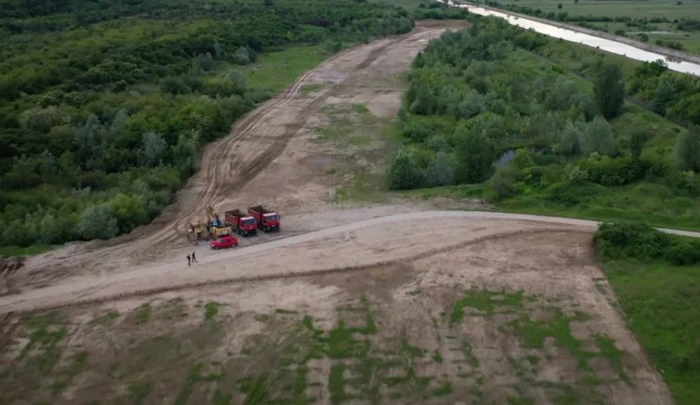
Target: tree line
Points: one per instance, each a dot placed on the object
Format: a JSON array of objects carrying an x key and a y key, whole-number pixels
[
  {"x": 483, "y": 106},
  {"x": 104, "y": 105}
]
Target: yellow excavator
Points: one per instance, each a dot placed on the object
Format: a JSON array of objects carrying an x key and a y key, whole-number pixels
[{"x": 215, "y": 226}]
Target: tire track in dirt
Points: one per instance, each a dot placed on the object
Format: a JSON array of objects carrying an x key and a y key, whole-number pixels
[{"x": 30, "y": 307}]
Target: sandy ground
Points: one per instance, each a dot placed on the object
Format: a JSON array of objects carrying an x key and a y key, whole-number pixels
[{"x": 510, "y": 312}]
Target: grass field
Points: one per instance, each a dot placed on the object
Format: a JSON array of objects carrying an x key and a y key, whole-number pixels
[
  {"x": 661, "y": 303},
  {"x": 625, "y": 8},
  {"x": 278, "y": 70}
]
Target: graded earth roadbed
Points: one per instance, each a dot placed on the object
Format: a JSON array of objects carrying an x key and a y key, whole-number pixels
[{"x": 418, "y": 235}]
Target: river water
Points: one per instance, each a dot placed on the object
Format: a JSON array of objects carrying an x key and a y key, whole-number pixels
[{"x": 586, "y": 39}]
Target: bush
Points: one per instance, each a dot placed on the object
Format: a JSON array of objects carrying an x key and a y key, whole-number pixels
[
  {"x": 609, "y": 171},
  {"x": 440, "y": 171},
  {"x": 404, "y": 171},
  {"x": 98, "y": 222},
  {"x": 475, "y": 155},
  {"x": 644, "y": 243},
  {"x": 597, "y": 136},
  {"x": 570, "y": 193},
  {"x": 630, "y": 241}
]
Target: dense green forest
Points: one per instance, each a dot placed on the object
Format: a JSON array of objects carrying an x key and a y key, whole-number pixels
[
  {"x": 492, "y": 105},
  {"x": 104, "y": 105}
]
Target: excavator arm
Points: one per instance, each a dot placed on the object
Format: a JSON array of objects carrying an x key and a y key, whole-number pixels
[{"x": 211, "y": 213}]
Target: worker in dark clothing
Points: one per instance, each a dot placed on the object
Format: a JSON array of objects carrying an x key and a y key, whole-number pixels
[
  {"x": 194, "y": 258},
  {"x": 189, "y": 260}
]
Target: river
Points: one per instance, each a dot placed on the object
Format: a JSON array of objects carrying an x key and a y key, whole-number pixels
[{"x": 585, "y": 39}]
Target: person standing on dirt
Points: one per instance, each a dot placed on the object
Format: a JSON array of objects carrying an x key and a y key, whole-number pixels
[
  {"x": 194, "y": 258},
  {"x": 189, "y": 260}
]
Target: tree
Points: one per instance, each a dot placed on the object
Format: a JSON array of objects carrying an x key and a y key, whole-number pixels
[
  {"x": 152, "y": 150},
  {"x": 242, "y": 56},
  {"x": 688, "y": 149},
  {"x": 597, "y": 136},
  {"x": 184, "y": 151},
  {"x": 665, "y": 96},
  {"x": 475, "y": 155},
  {"x": 568, "y": 144},
  {"x": 129, "y": 210},
  {"x": 404, "y": 172},
  {"x": 119, "y": 121},
  {"x": 471, "y": 105},
  {"x": 98, "y": 222},
  {"x": 440, "y": 171},
  {"x": 610, "y": 91}
]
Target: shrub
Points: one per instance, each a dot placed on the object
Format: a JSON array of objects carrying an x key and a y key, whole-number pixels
[
  {"x": 630, "y": 241},
  {"x": 440, "y": 171},
  {"x": 597, "y": 136},
  {"x": 683, "y": 253},
  {"x": 98, "y": 222},
  {"x": 570, "y": 193},
  {"x": 475, "y": 155},
  {"x": 568, "y": 144},
  {"x": 609, "y": 171},
  {"x": 404, "y": 171}
]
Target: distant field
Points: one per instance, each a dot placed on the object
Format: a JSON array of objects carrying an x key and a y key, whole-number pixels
[
  {"x": 409, "y": 4},
  {"x": 630, "y": 8}
]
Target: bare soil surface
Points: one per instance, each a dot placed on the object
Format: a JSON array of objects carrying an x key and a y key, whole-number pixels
[
  {"x": 514, "y": 313},
  {"x": 272, "y": 157}
]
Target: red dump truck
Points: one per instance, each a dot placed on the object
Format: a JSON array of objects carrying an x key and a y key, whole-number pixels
[
  {"x": 241, "y": 222},
  {"x": 267, "y": 220}
]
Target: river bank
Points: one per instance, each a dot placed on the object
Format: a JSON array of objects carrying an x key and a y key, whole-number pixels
[{"x": 682, "y": 61}]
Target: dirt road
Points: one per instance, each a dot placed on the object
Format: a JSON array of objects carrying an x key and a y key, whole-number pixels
[{"x": 377, "y": 241}]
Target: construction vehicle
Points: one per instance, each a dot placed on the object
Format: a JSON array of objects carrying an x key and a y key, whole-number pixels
[
  {"x": 267, "y": 220},
  {"x": 215, "y": 226},
  {"x": 194, "y": 230},
  {"x": 241, "y": 222}
]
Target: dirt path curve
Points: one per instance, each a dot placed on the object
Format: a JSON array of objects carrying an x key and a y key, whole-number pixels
[{"x": 212, "y": 270}]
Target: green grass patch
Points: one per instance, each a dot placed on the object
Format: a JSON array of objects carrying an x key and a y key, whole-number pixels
[
  {"x": 139, "y": 391},
  {"x": 210, "y": 310},
  {"x": 143, "y": 314},
  {"x": 468, "y": 353},
  {"x": 535, "y": 333},
  {"x": 311, "y": 88},
  {"x": 336, "y": 383},
  {"x": 42, "y": 351},
  {"x": 278, "y": 70},
  {"x": 11, "y": 251},
  {"x": 613, "y": 354},
  {"x": 486, "y": 302},
  {"x": 444, "y": 389},
  {"x": 65, "y": 377}
]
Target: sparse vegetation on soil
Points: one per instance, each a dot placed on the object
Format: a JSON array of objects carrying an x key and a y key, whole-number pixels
[{"x": 340, "y": 340}]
